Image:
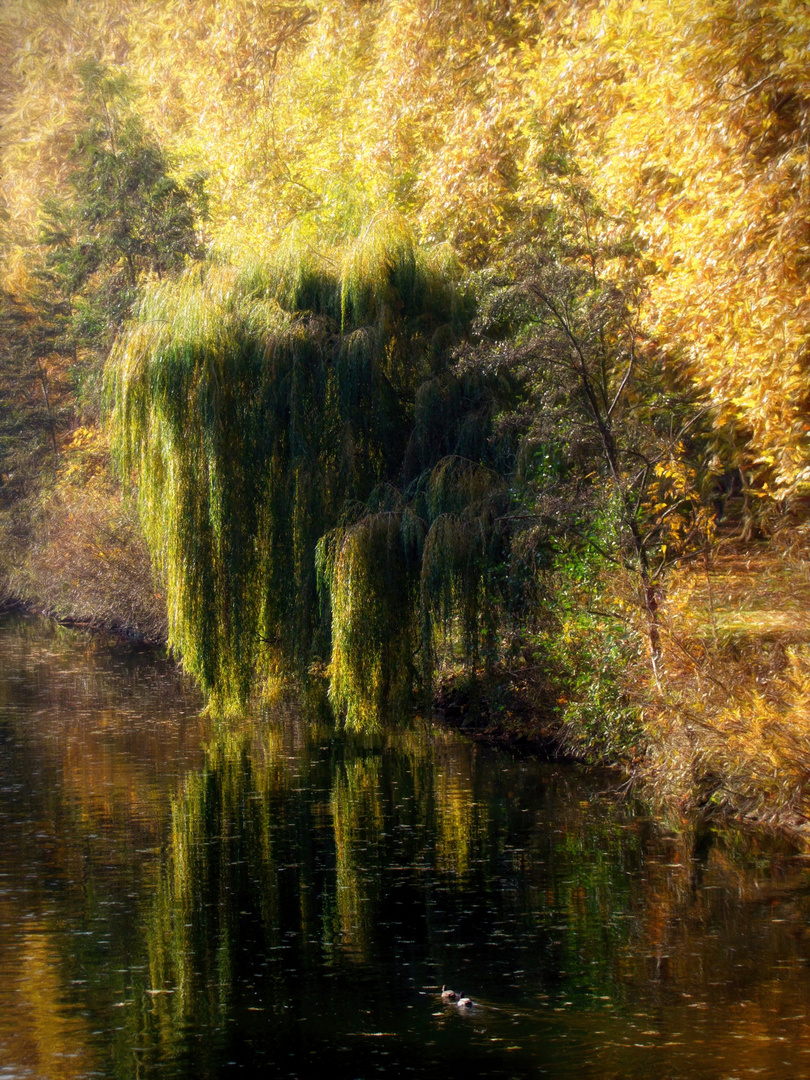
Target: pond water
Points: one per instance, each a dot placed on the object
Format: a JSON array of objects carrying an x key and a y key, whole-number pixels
[{"x": 179, "y": 899}]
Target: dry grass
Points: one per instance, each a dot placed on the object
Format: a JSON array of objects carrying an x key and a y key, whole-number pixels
[
  {"x": 83, "y": 558},
  {"x": 731, "y": 731}
]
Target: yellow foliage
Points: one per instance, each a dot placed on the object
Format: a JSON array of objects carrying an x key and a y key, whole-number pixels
[{"x": 676, "y": 125}]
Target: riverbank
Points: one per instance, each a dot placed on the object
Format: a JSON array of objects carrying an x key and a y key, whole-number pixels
[
  {"x": 729, "y": 733},
  {"x": 73, "y": 549},
  {"x": 723, "y": 737},
  {"x": 696, "y": 765},
  {"x": 724, "y": 734},
  {"x": 90, "y": 623}
]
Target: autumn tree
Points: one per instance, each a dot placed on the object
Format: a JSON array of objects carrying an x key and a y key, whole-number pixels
[
  {"x": 615, "y": 452},
  {"x": 122, "y": 218}
]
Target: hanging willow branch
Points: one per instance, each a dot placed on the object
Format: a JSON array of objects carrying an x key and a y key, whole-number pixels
[{"x": 285, "y": 409}]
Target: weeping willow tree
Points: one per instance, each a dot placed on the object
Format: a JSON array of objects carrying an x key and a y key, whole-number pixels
[{"x": 314, "y": 478}]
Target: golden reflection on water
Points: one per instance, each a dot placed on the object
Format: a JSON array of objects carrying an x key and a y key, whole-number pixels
[
  {"x": 357, "y": 821},
  {"x": 93, "y": 736},
  {"x": 41, "y": 1033}
]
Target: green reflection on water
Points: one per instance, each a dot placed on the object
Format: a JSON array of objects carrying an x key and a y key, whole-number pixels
[
  {"x": 176, "y": 897},
  {"x": 318, "y": 891},
  {"x": 303, "y": 873}
]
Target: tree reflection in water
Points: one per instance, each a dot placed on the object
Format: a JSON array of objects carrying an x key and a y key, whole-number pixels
[
  {"x": 317, "y": 893},
  {"x": 293, "y": 894}
]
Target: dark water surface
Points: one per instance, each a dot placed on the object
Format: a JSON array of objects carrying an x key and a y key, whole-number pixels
[{"x": 178, "y": 900}]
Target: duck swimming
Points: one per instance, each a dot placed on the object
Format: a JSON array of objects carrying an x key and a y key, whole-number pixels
[
  {"x": 464, "y": 1003},
  {"x": 449, "y": 995}
]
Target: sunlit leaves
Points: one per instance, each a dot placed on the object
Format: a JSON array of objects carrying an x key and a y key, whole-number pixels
[{"x": 687, "y": 121}]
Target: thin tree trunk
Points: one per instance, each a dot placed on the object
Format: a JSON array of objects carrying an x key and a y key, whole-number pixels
[
  {"x": 43, "y": 382},
  {"x": 602, "y": 420}
]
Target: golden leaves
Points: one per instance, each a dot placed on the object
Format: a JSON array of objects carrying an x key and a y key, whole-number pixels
[{"x": 672, "y": 129}]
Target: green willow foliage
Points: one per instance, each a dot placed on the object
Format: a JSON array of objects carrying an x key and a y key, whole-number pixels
[{"x": 314, "y": 477}]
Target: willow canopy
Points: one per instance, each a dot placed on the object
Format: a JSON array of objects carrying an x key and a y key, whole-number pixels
[{"x": 315, "y": 479}]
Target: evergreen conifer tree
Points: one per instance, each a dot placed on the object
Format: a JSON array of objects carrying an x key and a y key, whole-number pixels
[{"x": 121, "y": 217}]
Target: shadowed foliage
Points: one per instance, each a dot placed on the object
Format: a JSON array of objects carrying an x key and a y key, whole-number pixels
[{"x": 291, "y": 407}]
